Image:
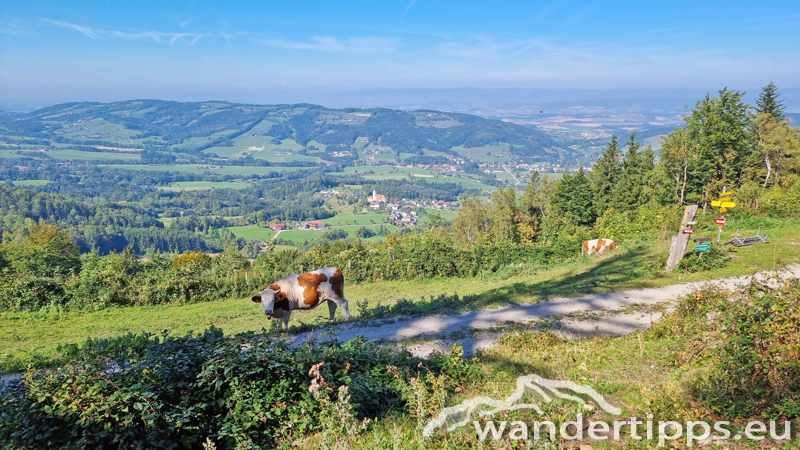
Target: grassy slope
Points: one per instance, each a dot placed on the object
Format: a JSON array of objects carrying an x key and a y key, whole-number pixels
[
  {"x": 250, "y": 232},
  {"x": 31, "y": 182},
  {"x": 627, "y": 268}
]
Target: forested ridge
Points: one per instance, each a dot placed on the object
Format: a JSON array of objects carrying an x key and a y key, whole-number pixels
[{"x": 166, "y": 129}]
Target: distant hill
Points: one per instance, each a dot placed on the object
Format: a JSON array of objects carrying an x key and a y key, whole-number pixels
[{"x": 299, "y": 132}]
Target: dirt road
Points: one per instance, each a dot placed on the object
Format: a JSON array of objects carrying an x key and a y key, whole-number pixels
[{"x": 607, "y": 314}]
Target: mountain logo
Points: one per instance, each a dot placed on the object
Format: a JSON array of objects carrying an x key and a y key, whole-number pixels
[{"x": 461, "y": 414}]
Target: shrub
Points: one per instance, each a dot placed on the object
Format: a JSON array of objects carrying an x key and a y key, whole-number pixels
[
  {"x": 42, "y": 250},
  {"x": 758, "y": 372},
  {"x": 238, "y": 391},
  {"x": 715, "y": 258},
  {"x": 28, "y": 292}
]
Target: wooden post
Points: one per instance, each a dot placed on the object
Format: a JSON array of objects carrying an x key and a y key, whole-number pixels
[{"x": 681, "y": 241}]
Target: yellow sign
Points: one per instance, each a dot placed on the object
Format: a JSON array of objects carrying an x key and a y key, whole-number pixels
[
  {"x": 722, "y": 210},
  {"x": 723, "y": 204},
  {"x": 724, "y": 194},
  {"x": 725, "y": 199}
]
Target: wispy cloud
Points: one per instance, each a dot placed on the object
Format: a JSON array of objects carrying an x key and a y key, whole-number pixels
[
  {"x": 332, "y": 44},
  {"x": 408, "y": 8},
  {"x": 92, "y": 33},
  {"x": 158, "y": 36}
]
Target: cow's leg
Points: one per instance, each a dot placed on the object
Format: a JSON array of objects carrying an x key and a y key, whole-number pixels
[
  {"x": 332, "y": 309},
  {"x": 343, "y": 303},
  {"x": 285, "y": 320}
]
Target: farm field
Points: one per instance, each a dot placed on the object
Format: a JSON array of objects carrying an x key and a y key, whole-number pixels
[
  {"x": 486, "y": 154},
  {"x": 201, "y": 185},
  {"x": 36, "y": 335},
  {"x": 199, "y": 170},
  {"x": 241, "y": 144},
  {"x": 10, "y": 154},
  {"x": 31, "y": 182},
  {"x": 251, "y": 232},
  {"x": 90, "y": 156}
]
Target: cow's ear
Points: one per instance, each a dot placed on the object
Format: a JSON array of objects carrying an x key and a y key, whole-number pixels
[{"x": 256, "y": 298}]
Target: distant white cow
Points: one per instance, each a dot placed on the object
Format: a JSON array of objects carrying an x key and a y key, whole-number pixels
[
  {"x": 304, "y": 291},
  {"x": 597, "y": 246}
]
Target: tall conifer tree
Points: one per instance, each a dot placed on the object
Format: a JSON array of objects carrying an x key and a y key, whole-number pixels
[
  {"x": 606, "y": 173},
  {"x": 573, "y": 198},
  {"x": 631, "y": 191},
  {"x": 768, "y": 102}
]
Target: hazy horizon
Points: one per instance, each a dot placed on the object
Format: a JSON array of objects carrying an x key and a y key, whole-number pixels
[{"x": 289, "y": 53}]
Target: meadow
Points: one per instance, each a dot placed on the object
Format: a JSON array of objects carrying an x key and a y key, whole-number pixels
[
  {"x": 487, "y": 154},
  {"x": 251, "y": 232},
  {"x": 78, "y": 155},
  {"x": 33, "y": 337},
  {"x": 8, "y": 153},
  {"x": 31, "y": 182}
]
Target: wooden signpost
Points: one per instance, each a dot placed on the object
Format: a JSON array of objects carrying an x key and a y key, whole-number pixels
[
  {"x": 700, "y": 248},
  {"x": 681, "y": 241}
]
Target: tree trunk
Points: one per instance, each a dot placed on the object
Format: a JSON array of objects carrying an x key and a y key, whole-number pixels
[
  {"x": 685, "y": 180},
  {"x": 769, "y": 168}
]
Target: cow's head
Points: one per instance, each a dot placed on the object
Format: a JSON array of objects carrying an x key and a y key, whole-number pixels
[{"x": 267, "y": 297}]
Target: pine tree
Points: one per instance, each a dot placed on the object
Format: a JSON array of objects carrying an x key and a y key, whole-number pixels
[
  {"x": 767, "y": 102},
  {"x": 573, "y": 198},
  {"x": 718, "y": 128},
  {"x": 632, "y": 190},
  {"x": 606, "y": 173}
]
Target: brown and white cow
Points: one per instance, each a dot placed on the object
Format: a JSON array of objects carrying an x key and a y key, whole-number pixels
[
  {"x": 597, "y": 246},
  {"x": 304, "y": 291}
]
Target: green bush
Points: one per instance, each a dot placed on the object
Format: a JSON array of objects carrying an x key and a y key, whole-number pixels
[
  {"x": 240, "y": 391},
  {"x": 758, "y": 372},
  {"x": 715, "y": 258},
  {"x": 28, "y": 292}
]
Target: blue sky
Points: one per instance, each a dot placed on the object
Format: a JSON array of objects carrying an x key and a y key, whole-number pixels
[{"x": 99, "y": 50}]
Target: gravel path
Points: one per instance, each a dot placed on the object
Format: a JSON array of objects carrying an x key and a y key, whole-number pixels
[{"x": 607, "y": 314}]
